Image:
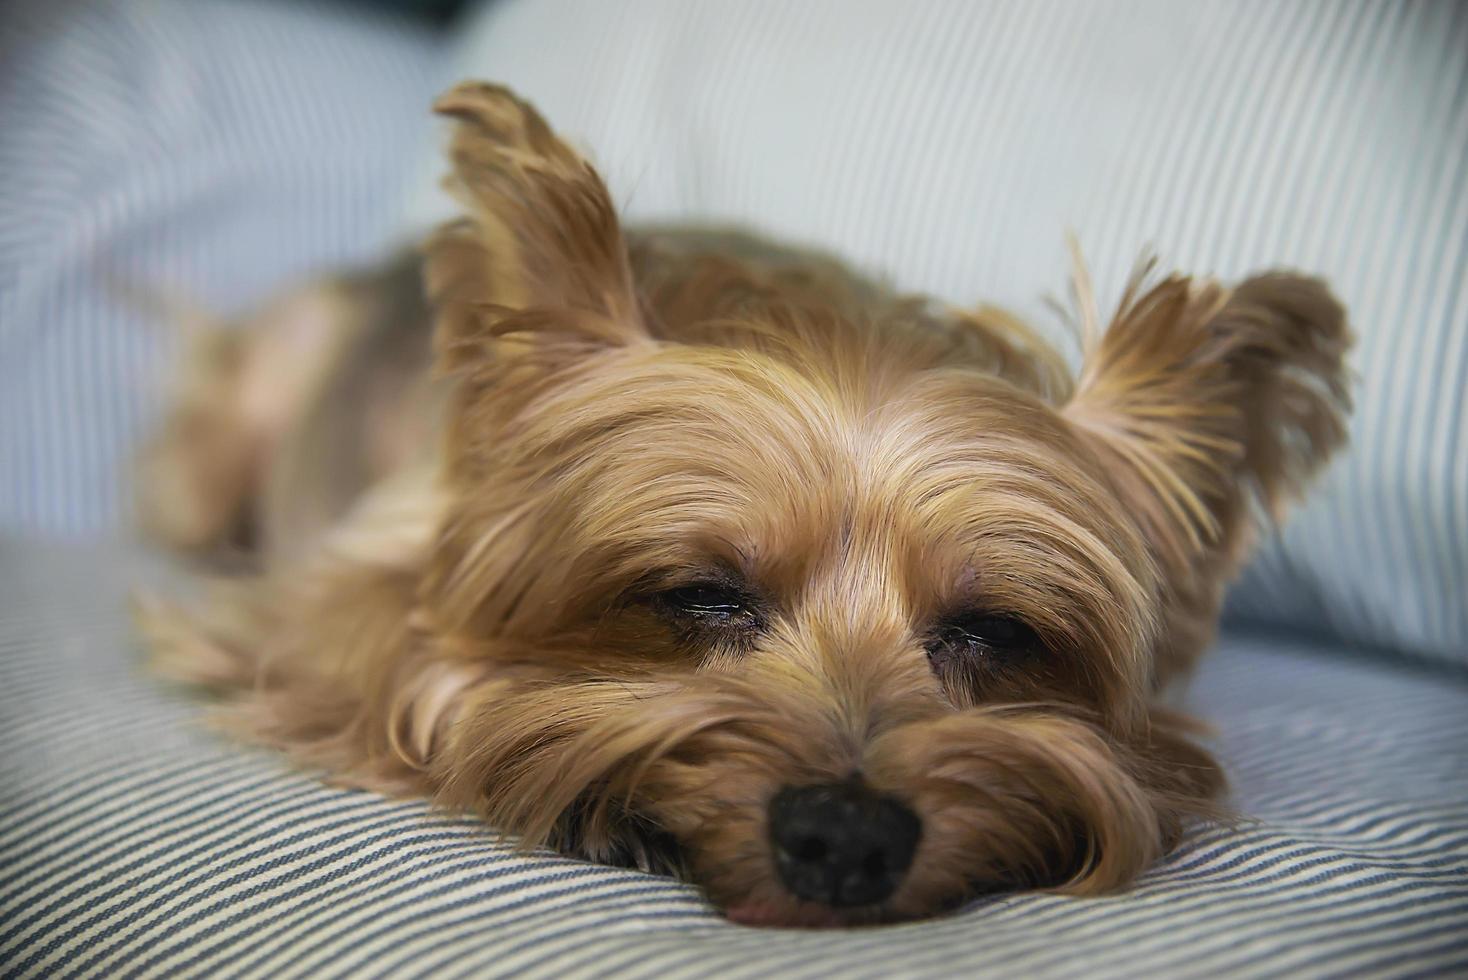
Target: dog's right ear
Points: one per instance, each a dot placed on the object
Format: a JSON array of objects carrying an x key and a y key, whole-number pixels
[{"x": 540, "y": 252}]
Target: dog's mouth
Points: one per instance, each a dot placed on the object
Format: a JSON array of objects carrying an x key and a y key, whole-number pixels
[
  {"x": 787, "y": 911},
  {"x": 787, "y": 914},
  {"x": 636, "y": 841},
  {"x": 778, "y": 914}
]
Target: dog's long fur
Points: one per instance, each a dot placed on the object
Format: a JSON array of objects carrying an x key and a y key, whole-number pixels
[{"x": 460, "y": 588}]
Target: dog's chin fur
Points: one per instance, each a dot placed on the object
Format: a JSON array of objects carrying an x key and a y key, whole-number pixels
[{"x": 487, "y": 610}]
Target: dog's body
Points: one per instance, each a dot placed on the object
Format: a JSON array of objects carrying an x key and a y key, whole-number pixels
[{"x": 707, "y": 555}]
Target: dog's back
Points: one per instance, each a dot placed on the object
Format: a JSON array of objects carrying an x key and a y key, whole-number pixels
[{"x": 278, "y": 422}]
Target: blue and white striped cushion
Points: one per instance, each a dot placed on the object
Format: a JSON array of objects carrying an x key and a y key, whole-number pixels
[
  {"x": 132, "y": 844},
  {"x": 214, "y": 150},
  {"x": 950, "y": 143}
]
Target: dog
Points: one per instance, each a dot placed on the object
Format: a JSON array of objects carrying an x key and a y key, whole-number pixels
[{"x": 683, "y": 550}]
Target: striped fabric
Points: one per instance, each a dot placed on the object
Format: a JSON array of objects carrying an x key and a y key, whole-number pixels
[
  {"x": 214, "y": 150},
  {"x": 132, "y": 844},
  {"x": 950, "y": 143}
]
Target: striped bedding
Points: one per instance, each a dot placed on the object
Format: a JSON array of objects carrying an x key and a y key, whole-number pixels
[{"x": 134, "y": 844}]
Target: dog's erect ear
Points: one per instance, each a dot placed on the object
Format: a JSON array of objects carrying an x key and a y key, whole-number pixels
[
  {"x": 540, "y": 248},
  {"x": 1207, "y": 402}
]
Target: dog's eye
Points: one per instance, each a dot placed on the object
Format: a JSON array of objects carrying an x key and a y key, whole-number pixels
[
  {"x": 995, "y": 639},
  {"x": 998, "y": 632},
  {"x": 708, "y": 601}
]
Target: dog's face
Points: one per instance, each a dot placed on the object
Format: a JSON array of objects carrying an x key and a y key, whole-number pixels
[
  {"x": 855, "y": 642},
  {"x": 841, "y": 613}
]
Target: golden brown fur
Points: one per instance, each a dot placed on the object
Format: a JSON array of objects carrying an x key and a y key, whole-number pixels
[{"x": 503, "y": 620}]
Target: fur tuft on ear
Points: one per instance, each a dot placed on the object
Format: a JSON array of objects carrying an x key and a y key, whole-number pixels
[
  {"x": 1290, "y": 339},
  {"x": 540, "y": 233},
  {"x": 1210, "y": 404}
]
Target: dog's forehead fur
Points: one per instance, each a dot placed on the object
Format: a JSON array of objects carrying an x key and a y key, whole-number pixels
[{"x": 856, "y": 464}]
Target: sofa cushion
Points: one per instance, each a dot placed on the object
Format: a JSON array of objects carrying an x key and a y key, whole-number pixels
[{"x": 135, "y": 843}]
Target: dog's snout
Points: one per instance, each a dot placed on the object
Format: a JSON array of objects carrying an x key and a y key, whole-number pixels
[{"x": 841, "y": 843}]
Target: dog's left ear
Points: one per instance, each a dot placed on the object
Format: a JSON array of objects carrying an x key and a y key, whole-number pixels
[
  {"x": 540, "y": 251},
  {"x": 1207, "y": 402}
]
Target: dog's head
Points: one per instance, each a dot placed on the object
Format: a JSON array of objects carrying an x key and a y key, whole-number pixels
[{"x": 848, "y": 609}]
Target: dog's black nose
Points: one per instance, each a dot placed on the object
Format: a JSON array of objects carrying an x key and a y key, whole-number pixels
[{"x": 841, "y": 843}]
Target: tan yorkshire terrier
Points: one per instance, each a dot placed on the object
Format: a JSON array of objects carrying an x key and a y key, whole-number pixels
[{"x": 687, "y": 551}]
